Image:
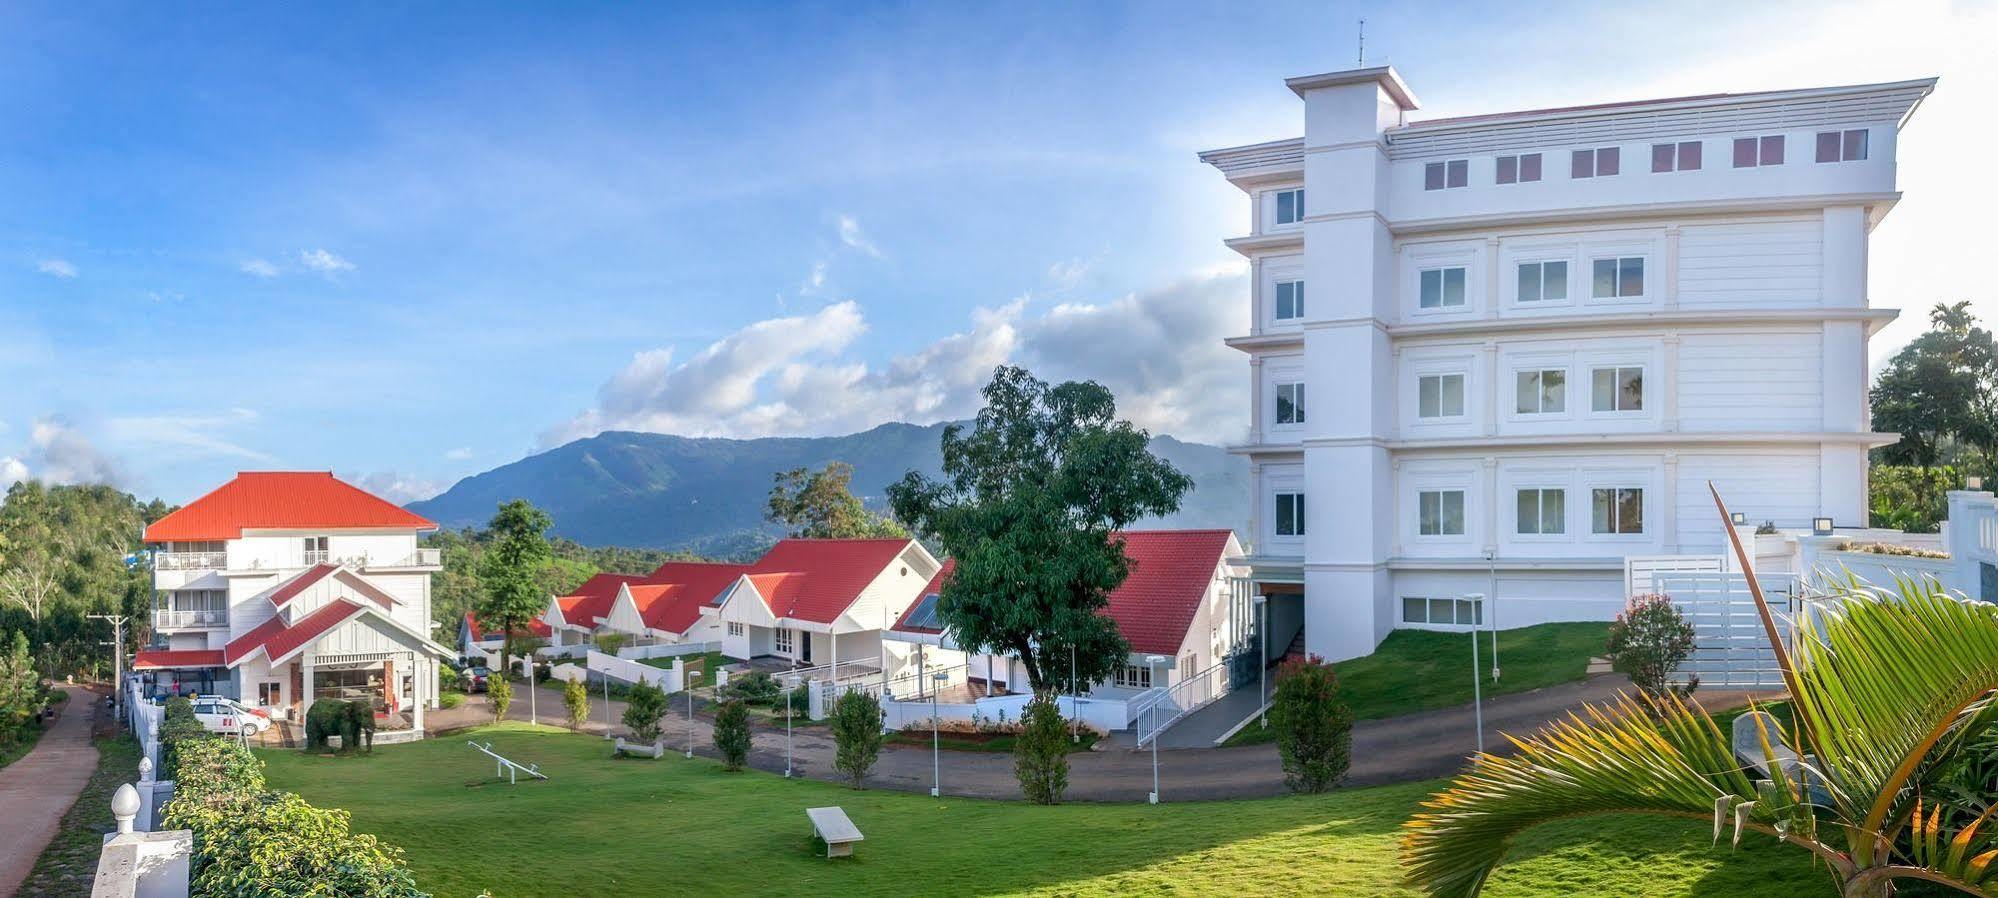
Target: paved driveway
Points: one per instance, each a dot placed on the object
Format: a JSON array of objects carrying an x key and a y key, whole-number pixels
[
  {"x": 38, "y": 789},
  {"x": 1402, "y": 749}
]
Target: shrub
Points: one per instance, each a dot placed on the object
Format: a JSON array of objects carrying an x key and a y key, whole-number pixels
[
  {"x": 1648, "y": 642},
  {"x": 856, "y": 729},
  {"x": 609, "y": 643},
  {"x": 732, "y": 733},
  {"x": 178, "y": 729},
  {"x": 1314, "y": 727},
  {"x": 644, "y": 705},
  {"x": 357, "y": 727},
  {"x": 261, "y": 844},
  {"x": 447, "y": 678},
  {"x": 1040, "y": 753},
  {"x": 576, "y": 700},
  {"x": 321, "y": 721},
  {"x": 449, "y": 700},
  {"x": 499, "y": 691},
  {"x": 756, "y": 687}
]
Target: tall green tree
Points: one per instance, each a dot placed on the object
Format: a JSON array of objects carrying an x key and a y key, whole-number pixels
[
  {"x": 821, "y": 505},
  {"x": 67, "y": 552},
  {"x": 1027, "y": 506},
  {"x": 1940, "y": 393},
  {"x": 512, "y": 591}
]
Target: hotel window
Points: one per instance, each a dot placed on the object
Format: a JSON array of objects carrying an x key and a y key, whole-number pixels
[
  {"x": 1681, "y": 156},
  {"x": 1541, "y": 392},
  {"x": 1449, "y": 612},
  {"x": 1442, "y": 288},
  {"x": 1290, "y": 514},
  {"x": 1750, "y": 152},
  {"x": 1617, "y": 510},
  {"x": 1440, "y": 512},
  {"x": 1290, "y": 206},
  {"x": 316, "y": 550},
  {"x": 1617, "y": 389},
  {"x": 1543, "y": 281},
  {"x": 1519, "y": 169},
  {"x": 735, "y": 628},
  {"x": 1439, "y": 396},
  {"x": 1290, "y": 403},
  {"x": 1842, "y": 146},
  {"x": 1289, "y": 300},
  {"x": 1543, "y": 512},
  {"x": 1619, "y": 278},
  {"x": 783, "y": 641},
  {"x": 1597, "y": 163},
  {"x": 1444, "y": 175},
  {"x": 1134, "y": 676}
]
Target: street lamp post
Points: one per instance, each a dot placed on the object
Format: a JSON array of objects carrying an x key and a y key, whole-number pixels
[
  {"x": 607, "y": 710},
  {"x": 1477, "y": 691},
  {"x": 1263, "y": 673},
  {"x": 1074, "y": 696},
  {"x": 936, "y": 741},
  {"x": 533, "y": 715},
  {"x": 1152, "y": 663},
  {"x": 790, "y": 689},
  {"x": 692, "y": 675}
]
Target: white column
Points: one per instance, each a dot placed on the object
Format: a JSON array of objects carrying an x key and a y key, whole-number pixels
[
  {"x": 418, "y": 667},
  {"x": 1491, "y": 515},
  {"x": 1668, "y": 506},
  {"x": 305, "y": 680},
  {"x": 1492, "y": 394},
  {"x": 1256, "y": 412},
  {"x": 1672, "y": 268},
  {"x": 1491, "y": 277},
  {"x": 1668, "y": 384}
]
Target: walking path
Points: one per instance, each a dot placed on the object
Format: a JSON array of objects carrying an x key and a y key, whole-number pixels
[
  {"x": 1402, "y": 749},
  {"x": 38, "y": 789}
]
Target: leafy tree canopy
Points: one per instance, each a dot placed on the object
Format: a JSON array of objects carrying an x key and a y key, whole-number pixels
[
  {"x": 1029, "y": 499},
  {"x": 511, "y": 573},
  {"x": 67, "y": 552},
  {"x": 1940, "y": 393},
  {"x": 821, "y": 505}
]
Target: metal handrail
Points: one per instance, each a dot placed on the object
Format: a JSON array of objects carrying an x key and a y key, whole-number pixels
[
  {"x": 190, "y": 561},
  {"x": 1184, "y": 697}
]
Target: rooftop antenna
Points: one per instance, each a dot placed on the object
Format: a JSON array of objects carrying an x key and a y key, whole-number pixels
[{"x": 1363, "y": 45}]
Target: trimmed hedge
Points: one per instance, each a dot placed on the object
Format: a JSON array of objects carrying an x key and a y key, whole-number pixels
[
  {"x": 353, "y": 722},
  {"x": 253, "y": 843}
]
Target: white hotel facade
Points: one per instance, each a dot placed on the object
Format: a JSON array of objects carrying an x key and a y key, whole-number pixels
[{"x": 1498, "y": 354}]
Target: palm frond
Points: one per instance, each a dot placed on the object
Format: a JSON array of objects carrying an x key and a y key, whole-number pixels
[{"x": 1621, "y": 759}]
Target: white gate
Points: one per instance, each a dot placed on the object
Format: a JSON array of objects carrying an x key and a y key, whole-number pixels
[
  {"x": 1641, "y": 572},
  {"x": 1730, "y": 647}
]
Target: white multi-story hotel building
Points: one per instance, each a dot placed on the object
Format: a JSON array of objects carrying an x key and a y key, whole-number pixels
[
  {"x": 280, "y": 588},
  {"x": 1510, "y": 350}
]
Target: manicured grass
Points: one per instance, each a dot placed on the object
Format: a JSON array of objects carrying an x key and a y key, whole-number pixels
[
  {"x": 68, "y": 865},
  {"x": 678, "y": 827},
  {"x": 1422, "y": 670},
  {"x": 706, "y": 662}
]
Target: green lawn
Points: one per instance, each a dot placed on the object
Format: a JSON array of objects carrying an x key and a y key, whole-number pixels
[
  {"x": 1421, "y": 670},
  {"x": 678, "y": 827}
]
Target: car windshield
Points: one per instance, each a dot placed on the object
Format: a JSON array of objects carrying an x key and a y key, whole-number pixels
[{"x": 478, "y": 671}]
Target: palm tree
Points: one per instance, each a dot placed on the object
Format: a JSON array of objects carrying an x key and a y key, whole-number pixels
[{"x": 1888, "y": 693}]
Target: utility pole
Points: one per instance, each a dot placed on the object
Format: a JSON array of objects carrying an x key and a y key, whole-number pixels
[{"x": 117, "y": 657}]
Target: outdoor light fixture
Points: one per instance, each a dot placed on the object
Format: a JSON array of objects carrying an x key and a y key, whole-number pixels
[
  {"x": 1821, "y": 526},
  {"x": 1740, "y": 517},
  {"x": 1973, "y": 482},
  {"x": 692, "y": 675},
  {"x": 1152, "y": 663},
  {"x": 936, "y": 749},
  {"x": 790, "y": 689}
]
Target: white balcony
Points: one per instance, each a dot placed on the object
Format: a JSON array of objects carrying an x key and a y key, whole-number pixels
[
  {"x": 182, "y": 620},
  {"x": 190, "y": 561},
  {"x": 317, "y": 556},
  {"x": 421, "y": 558}
]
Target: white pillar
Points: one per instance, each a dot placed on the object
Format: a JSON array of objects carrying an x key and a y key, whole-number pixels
[
  {"x": 305, "y": 683},
  {"x": 416, "y": 676}
]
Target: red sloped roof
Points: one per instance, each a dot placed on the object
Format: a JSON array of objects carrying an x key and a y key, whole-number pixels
[
  {"x": 822, "y": 576},
  {"x": 674, "y": 594},
  {"x": 282, "y": 500},
  {"x": 591, "y": 601},
  {"x": 177, "y": 658},
  {"x": 311, "y": 627},
  {"x": 1171, "y": 571},
  {"x": 301, "y": 583},
  {"x": 247, "y": 644},
  {"x": 535, "y": 627}
]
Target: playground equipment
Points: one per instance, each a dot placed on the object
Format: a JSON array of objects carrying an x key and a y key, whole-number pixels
[{"x": 506, "y": 766}]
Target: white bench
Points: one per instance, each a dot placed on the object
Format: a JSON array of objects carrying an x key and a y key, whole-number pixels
[{"x": 838, "y": 832}]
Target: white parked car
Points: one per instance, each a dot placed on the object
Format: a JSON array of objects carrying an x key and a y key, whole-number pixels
[{"x": 221, "y": 715}]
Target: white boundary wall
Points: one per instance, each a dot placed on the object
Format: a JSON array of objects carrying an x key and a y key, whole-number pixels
[
  {"x": 631, "y": 672},
  {"x": 664, "y": 650},
  {"x": 1106, "y": 715}
]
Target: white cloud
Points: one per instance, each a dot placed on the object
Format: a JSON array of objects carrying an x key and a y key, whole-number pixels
[
  {"x": 461, "y": 453},
  {"x": 260, "y": 267},
  {"x": 200, "y": 435},
  {"x": 1068, "y": 274},
  {"x": 395, "y": 487},
  {"x": 324, "y": 262},
  {"x": 854, "y": 238},
  {"x": 60, "y": 268},
  {"x": 1159, "y": 351},
  {"x": 57, "y": 453}
]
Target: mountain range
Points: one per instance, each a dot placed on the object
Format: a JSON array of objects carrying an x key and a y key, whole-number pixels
[{"x": 707, "y": 495}]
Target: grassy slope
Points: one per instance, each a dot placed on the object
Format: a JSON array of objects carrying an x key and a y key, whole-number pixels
[
  {"x": 684, "y": 827},
  {"x": 1421, "y": 670}
]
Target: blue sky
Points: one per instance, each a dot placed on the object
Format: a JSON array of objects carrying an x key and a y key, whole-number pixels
[{"x": 409, "y": 244}]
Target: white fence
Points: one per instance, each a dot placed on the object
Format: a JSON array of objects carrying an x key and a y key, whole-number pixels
[
  {"x": 1731, "y": 646},
  {"x": 1641, "y": 572},
  {"x": 632, "y": 672},
  {"x": 667, "y": 650},
  {"x": 1158, "y": 709},
  {"x": 1104, "y": 715}
]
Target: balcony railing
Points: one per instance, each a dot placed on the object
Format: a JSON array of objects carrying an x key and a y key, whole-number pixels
[
  {"x": 167, "y": 620},
  {"x": 421, "y": 558},
  {"x": 317, "y": 556},
  {"x": 190, "y": 561}
]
